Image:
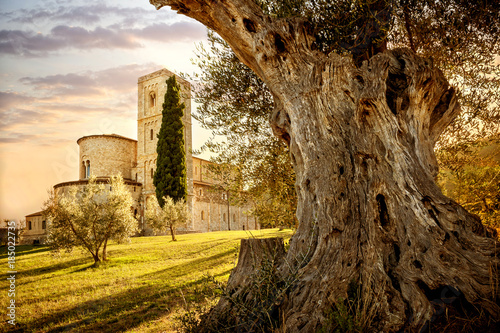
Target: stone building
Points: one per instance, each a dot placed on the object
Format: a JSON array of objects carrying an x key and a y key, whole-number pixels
[
  {"x": 105, "y": 155},
  {"x": 36, "y": 228}
]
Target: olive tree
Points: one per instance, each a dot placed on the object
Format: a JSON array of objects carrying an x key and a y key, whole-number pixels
[
  {"x": 90, "y": 216},
  {"x": 361, "y": 105},
  {"x": 169, "y": 217}
]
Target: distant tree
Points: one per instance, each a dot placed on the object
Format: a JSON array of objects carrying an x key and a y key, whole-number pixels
[
  {"x": 170, "y": 178},
  {"x": 169, "y": 216},
  {"x": 89, "y": 217}
]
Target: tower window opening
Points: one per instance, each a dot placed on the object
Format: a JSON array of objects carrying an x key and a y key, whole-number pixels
[
  {"x": 152, "y": 99},
  {"x": 152, "y": 173},
  {"x": 152, "y": 134}
]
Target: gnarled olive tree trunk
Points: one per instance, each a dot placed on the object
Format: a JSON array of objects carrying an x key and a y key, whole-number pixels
[{"x": 362, "y": 141}]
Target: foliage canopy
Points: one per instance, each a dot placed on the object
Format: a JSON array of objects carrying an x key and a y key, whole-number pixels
[
  {"x": 90, "y": 216},
  {"x": 170, "y": 216},
  {"x": 170, "y": 177}
]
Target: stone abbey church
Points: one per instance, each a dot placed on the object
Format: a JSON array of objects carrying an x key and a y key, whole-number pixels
[{"x": 104, "y": 155}]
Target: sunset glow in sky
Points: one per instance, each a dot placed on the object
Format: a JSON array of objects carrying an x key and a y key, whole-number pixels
[{"x": 69, "y": 68}]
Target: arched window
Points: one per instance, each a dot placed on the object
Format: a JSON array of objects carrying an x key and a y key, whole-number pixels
[
  {"x": 152, "y": 134},
  {"x": 152, "y": 173},
  {"x": 152, "y": 99},
  {"x": 202, "y": 215}
]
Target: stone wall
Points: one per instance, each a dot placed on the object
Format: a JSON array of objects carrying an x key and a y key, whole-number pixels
[{"x": 107, "y": 155}]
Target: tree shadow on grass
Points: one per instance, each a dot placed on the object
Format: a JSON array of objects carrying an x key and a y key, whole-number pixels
[
  {"x": 193, "y": 265},
  {"x": 55, "y": 267},
  {"x": 22, "y": 250},
  {"x": 128, "y": 309}
]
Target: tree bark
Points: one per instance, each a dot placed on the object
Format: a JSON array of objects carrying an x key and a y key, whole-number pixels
[
  {"x": 104, "y": 257},
  {"x": 96, "y": 258},
  {"x": 172, "y": 232},
  {"x": 361, "y": 142},
  {"x": 243, "y": 292}
]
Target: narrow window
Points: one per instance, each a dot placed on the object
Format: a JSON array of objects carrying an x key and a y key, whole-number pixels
[
  {"x": 201, "y": 192},
  {"x": 134, "y": 188},
  {"x": 87, "y": 172},
  {"x": 135, "y": 212},
  {"x": 44, "y": 225},
  {"x": 234, "y": 218},
  {"x": 152, "y": 134},
  {"x": 29, "y": 225},
  {"x": 224, "y": 217},
  {"x": 152, "y": 173},
  {"x": 202, "y": 215},
  {"x": 136, "y": 177}
]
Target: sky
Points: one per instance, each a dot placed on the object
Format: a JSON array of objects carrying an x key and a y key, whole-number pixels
[{"x": 69, "y": 68}]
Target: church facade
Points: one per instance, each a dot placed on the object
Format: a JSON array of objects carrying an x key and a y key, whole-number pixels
[{"x": 104, "y": 155}]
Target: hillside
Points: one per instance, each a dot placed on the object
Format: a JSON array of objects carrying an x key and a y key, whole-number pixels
[{"x": 142, "y": 288}]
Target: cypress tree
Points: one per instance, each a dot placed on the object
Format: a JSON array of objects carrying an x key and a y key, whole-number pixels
[{"x": 170, "y": 177}]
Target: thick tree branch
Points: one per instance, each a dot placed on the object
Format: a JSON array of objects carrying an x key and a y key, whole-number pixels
[{"x": 262, "y": 43}]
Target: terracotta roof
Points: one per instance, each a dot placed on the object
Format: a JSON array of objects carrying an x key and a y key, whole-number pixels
[
  {"x": 35, "y": 214},
  {"x": 99, "y": 180}
]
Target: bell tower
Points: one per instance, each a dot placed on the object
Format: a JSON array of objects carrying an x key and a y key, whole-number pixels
[{"x": 151, "y": 95}]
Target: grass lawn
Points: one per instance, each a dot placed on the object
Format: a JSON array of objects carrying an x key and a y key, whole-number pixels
[{"x": 141, "y": 288}]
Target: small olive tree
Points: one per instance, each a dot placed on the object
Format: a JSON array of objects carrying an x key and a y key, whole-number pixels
[
  {"x": 90, "y": 216},
  {"x": 167, "y": 217}
]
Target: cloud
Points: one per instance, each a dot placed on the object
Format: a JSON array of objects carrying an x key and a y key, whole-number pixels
[
  {"x": 9, "y": 99},
  {"x": 18, "y": 138},
  {"x": 176, "y": 32},
  {"x": 14, "y": 117},
  {"x": 121, "y": 79},
  {"x": 30, "y": 44},
  {"x": 87, "y": 14}
]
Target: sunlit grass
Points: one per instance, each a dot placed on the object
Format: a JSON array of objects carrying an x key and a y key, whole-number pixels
[{"x": 140, "y": 289}]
